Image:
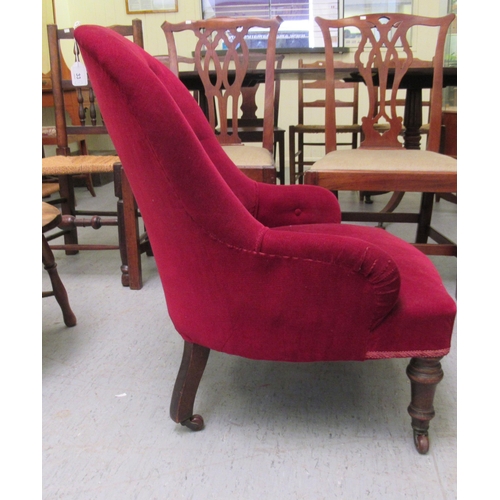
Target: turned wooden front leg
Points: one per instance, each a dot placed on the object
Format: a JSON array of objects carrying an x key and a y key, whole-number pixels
[{"x": 424, "y": 374}]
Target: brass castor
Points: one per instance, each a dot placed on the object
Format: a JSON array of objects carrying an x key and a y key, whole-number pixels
[
  {"x": 421, "y": 442},
  {"x": 195, "y": 423}
]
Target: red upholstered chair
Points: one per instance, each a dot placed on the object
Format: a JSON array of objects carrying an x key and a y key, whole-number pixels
[{"x": 235, "y": 255}]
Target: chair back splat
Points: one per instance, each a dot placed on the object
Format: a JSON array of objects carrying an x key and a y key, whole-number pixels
[
  {"x": 222, "y": 58},
  {"x": 259, "y": 270},
  {"x": 89, "y": 121},
  {"x": 387, "y": 67},
  {"x": 383, "y": 58}
]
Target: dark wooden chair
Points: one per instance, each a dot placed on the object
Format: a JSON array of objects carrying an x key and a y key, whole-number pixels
[
  {"x": 51, "y": 217},
  {"x": 66, "y": 166},
  {"x": 49, "y": 133},
  {"x": 382, "y": 162},
  {"x": 219, "y": 47},
  {"x": 347, "y": 97}
]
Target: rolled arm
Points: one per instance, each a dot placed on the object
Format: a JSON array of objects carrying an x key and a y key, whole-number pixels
[{"x": 363, "y": 263}]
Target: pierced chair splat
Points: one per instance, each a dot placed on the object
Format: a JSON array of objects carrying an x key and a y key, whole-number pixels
[{"x": 222, "y": 58}]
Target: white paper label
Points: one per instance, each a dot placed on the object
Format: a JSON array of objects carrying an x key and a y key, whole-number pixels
[{"x": 79, "y": 74}]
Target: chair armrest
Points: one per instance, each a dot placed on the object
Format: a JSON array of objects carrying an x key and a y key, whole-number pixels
[
  {"x": 351, "y": 266},
  {"x": 279, "y": 205}
]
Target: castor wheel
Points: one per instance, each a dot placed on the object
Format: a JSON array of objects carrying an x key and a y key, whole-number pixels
[
  {"x": 195, "y": 423},
  {"x": 421, "y": 442}
]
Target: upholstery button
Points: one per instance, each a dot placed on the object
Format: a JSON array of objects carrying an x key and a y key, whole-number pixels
[{"x": 298, "y": 211}]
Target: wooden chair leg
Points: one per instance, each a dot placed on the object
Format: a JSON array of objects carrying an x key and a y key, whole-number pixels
[
  {"x": 128, "y": 231},
  {"x": 121, "y": 224},
  {"x": 89, "y": 183},
  {"x": 424, "y": 218},
  {"x": 68, "y": 207},
  {"x": 58, "y": 290},
  {"x": 424, "y": 374},
  {"x": 194, "y": 360}
]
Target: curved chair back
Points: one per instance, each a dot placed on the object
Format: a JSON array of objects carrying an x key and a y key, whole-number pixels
[{"x": 162, "y": 174}]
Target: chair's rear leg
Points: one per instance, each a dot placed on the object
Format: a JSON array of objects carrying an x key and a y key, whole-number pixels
[
  {"x": 128, "y": 230},
  {"x": 194, "y": 360},
  {"x": 122, "y": 242},
  {"x": 424, "y": 374}
]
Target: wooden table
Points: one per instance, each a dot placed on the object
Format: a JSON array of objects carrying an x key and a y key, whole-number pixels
[{"x": 414, "y": 81}]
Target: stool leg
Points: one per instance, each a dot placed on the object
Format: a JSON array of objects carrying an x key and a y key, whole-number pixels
[{"x": 59, "y": 291}]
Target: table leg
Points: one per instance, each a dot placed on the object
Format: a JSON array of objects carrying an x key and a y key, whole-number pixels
[
  {"x": 413, "y": 118},
  {"x": 424, "y": 218}
]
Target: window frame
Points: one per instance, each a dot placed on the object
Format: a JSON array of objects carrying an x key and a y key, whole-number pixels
[{"x": 291, "y": 41}]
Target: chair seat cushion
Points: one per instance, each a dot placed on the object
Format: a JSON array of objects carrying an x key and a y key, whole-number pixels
[
  {"x": 421, "y": 322},
  {"x": 49, "y": 188},
  {"x": 394, "y": 160},
  {"x": 81, "y": 164},
  {"x": 249, "y": 156},
  {"x": 386, "y": 159}
]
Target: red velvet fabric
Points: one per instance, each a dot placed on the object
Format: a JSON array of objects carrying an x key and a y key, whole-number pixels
[{"x": 256, "y": 270}]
